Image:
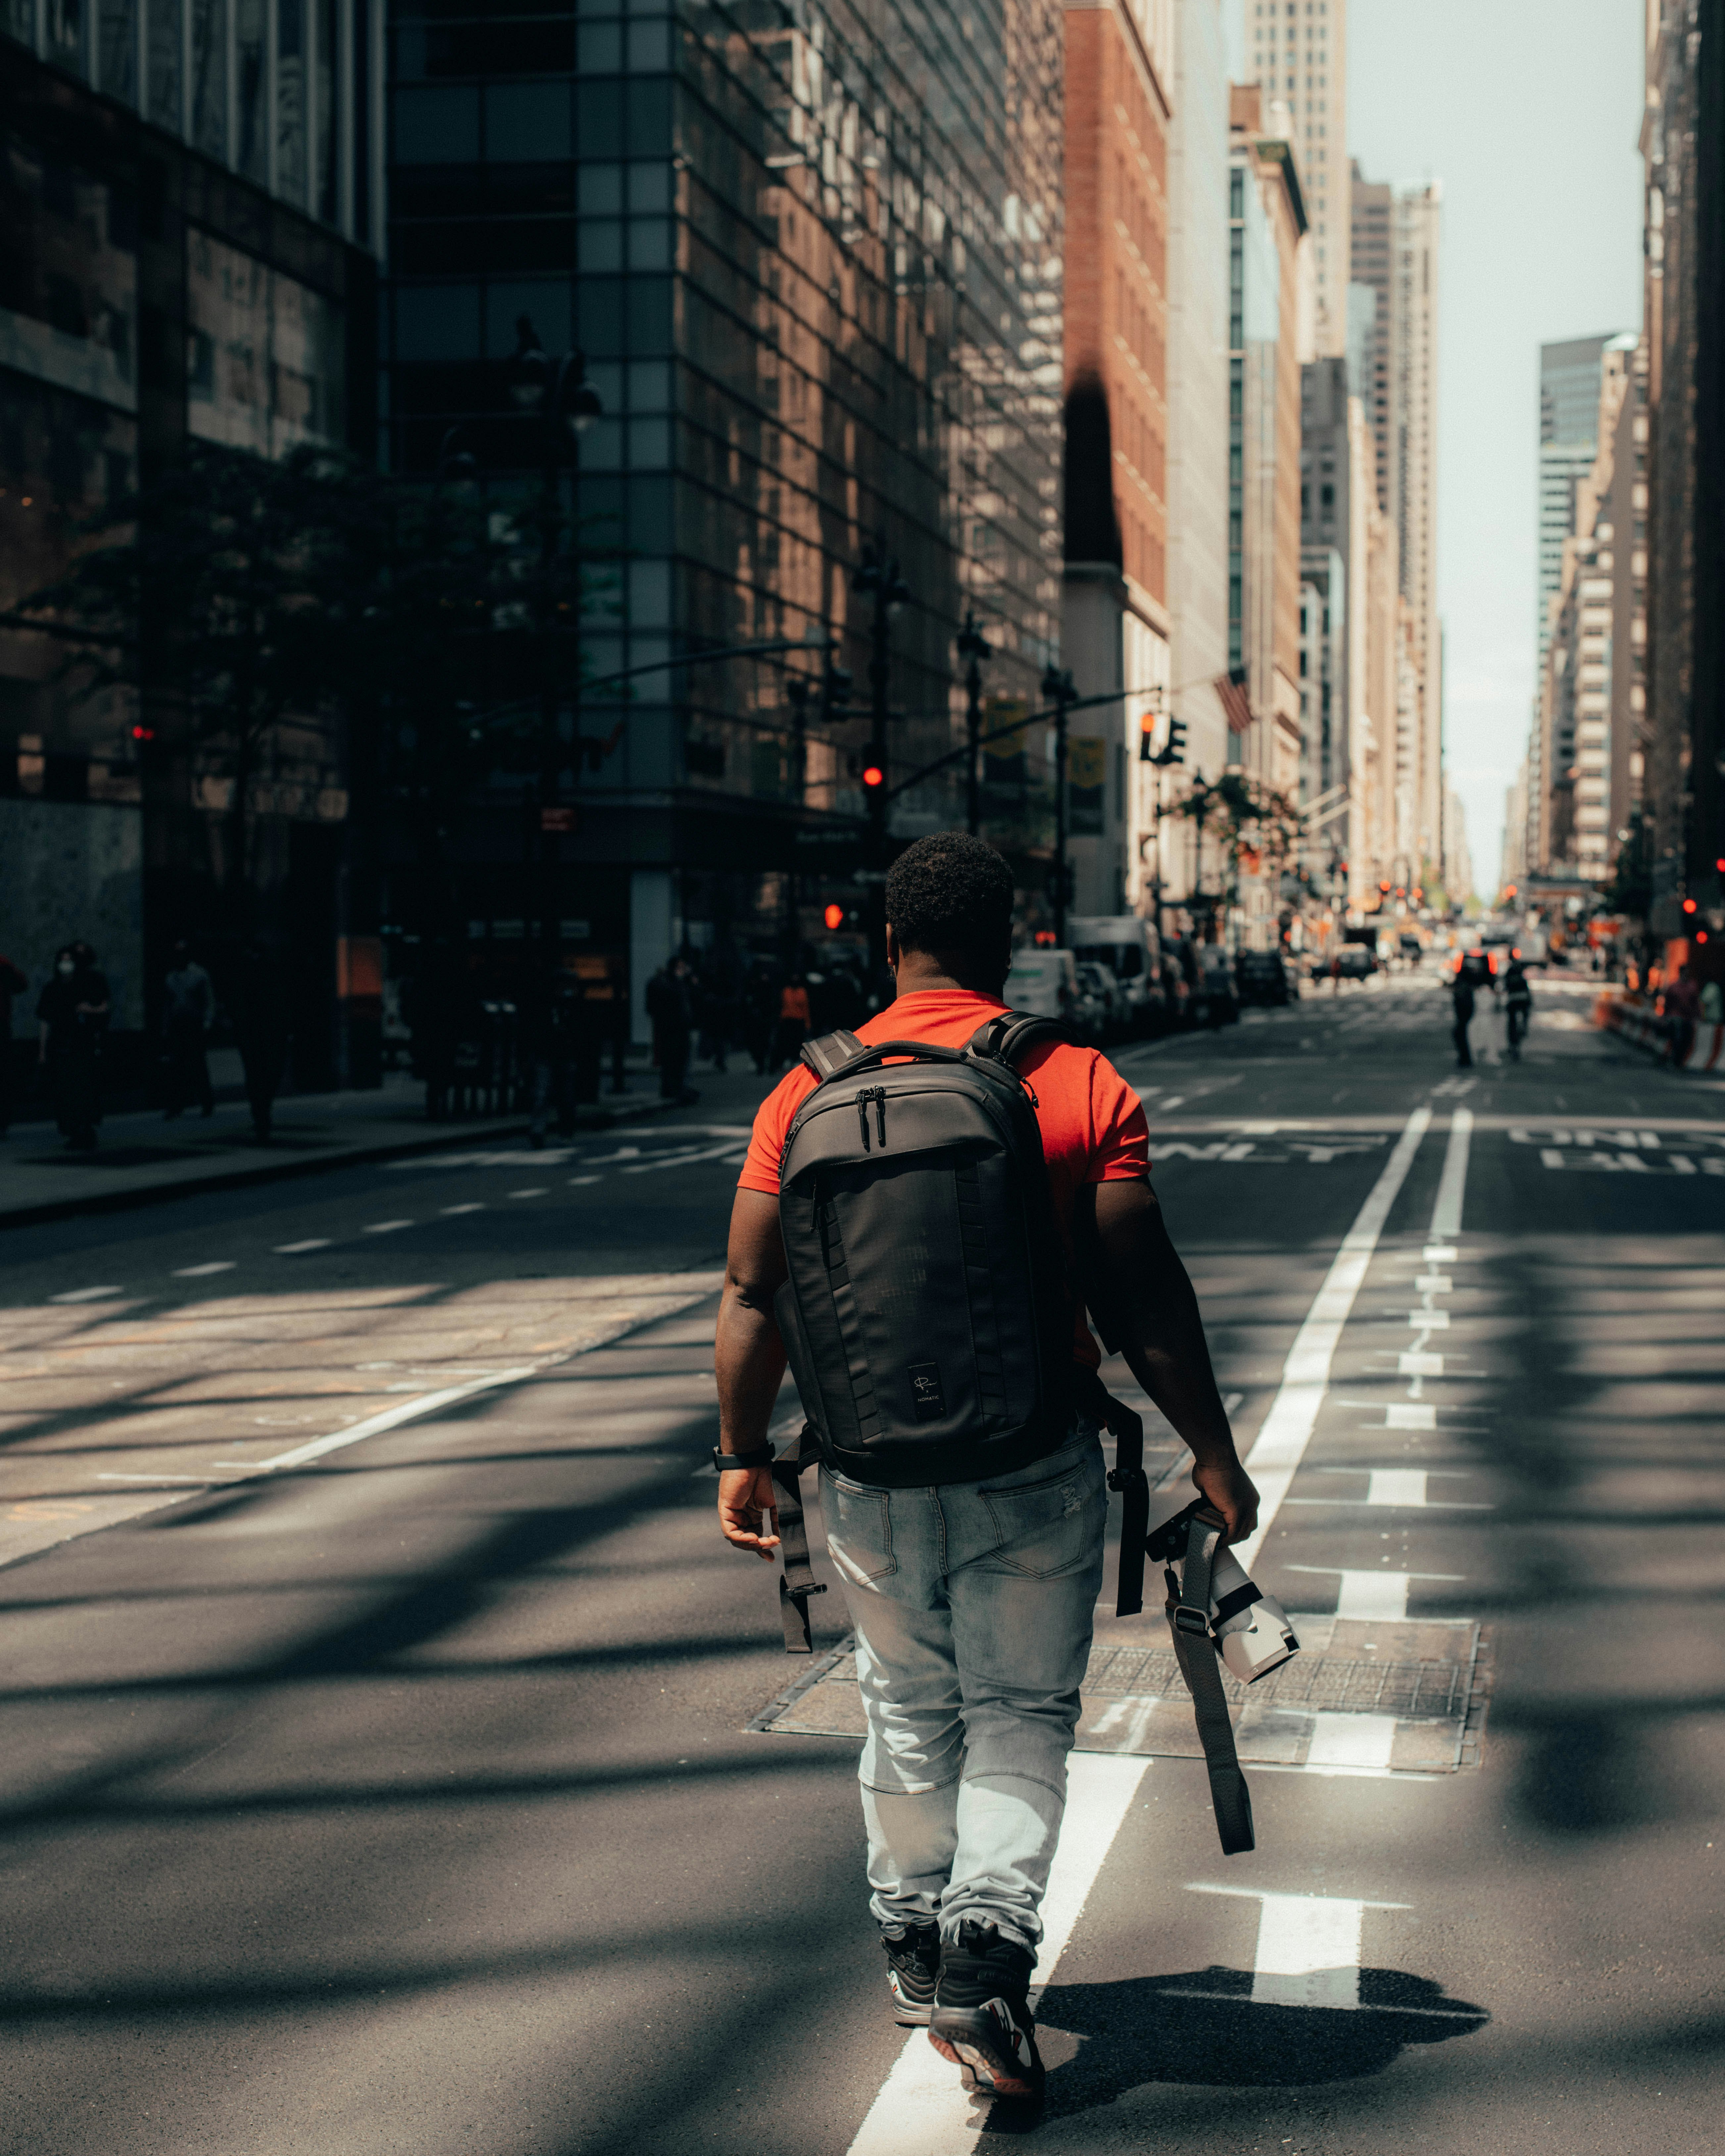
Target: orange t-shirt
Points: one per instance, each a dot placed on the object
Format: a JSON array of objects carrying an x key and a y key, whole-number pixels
[{"x": 1092, "y": 1123}]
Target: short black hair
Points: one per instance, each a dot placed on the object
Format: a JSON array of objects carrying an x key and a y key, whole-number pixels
[{"x": 951, "y": 894}]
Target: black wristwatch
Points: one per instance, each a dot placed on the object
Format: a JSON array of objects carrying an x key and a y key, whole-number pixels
[{"x": 762, "y": 1456}]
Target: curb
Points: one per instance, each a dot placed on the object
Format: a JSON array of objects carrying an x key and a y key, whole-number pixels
[{"x": 279, "y": 1171}]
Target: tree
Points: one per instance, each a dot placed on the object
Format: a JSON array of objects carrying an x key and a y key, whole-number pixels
[{"x": 1253, "y": 821}]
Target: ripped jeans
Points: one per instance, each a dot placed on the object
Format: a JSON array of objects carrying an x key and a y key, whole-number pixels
[{"x": 974, "y": 1605}]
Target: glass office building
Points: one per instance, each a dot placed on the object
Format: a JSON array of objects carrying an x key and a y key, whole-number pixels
[{"x": 812, "y": 256}]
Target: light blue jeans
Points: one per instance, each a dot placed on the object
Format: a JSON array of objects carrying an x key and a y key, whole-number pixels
[{"x": 974, "y": 1605}]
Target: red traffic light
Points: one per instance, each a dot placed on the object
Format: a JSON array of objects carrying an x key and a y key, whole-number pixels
[
  {"x": 143, "y": 733},
  {"x": 834, "y": 916},
  {"x": 873, "y": 776},
  {"x": 1689, "y": 906}
]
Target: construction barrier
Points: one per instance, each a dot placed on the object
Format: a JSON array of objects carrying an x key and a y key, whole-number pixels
[{"x": 1634, "y": 1018}]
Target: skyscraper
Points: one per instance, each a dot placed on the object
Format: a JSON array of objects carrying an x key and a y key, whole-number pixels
[
  {"x": 1395, "y": 257},
  {"x": 1299, "y": 56},
  {"x": 1369, "y": 322},
  {"x": 1568, "y": 441},
  {"x": 1114, "y": 624},
  {"x": 1412, "y": 489},
  {"x": 814, "y": 259}
]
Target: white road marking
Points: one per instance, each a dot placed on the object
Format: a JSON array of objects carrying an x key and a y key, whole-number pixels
[
  {"x": 86, "y": 1294},
  {"x": 1430, "y": 1320},
  {"x": 1396, "y": 1485},
  {"x": 1414, "y": 1414},
  {"x": 374, "y": 1425},
  {"x": 1308, "y": 1951},
  {"x": 922, "y": 2109},
  {"x": 541, "y": 1191},
  {"x": 1381, "y": 1596},
  {"x": 1414, "y": 1364},
  {"x": 473, "y": 1205},
  {"x": 577, "y": 1181},
  {"x": 385, "y": 1227},
  {"x": 1275, "y": 1459},
  {"x": 1351, "y": 1740},
  {"x": 152, "y": 1478},
  {"x": 685, "y": 1159},
  {"x": 198, "y": 1272},
  {"x": 1231, "y": 1402},
  {"x": 311, "y": 1243},
  {"x": 1446, "y": 1213},
  {"x": 1434, "y": 1283},
  {"x": 1440, "y": 1253}
]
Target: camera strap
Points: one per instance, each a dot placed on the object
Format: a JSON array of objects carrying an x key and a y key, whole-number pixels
[{"x": 1189, "y": 1621}]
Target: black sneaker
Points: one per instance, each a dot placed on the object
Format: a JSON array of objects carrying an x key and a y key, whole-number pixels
[
  {"x": 913, "y": 1957},
  {"x": 982, "y": 2019}
]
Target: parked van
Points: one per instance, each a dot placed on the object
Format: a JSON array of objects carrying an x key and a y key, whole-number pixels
[
  {"x": 1043, "y": 981},
  {"x": 1132, "y": 951}
]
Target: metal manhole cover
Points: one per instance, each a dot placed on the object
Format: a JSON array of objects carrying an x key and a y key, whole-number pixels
[{"x": 1405, "y": 1697}]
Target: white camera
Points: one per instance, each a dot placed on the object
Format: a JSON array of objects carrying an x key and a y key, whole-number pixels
[{"x": 1249, "y": 1628}]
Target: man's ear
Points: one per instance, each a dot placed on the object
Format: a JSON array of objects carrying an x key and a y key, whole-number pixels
[{"x": 894, "y": 952}]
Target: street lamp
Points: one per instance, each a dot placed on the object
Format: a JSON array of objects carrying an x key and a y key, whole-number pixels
[
  {"x": 879, "y": 579},
  {"x": 1060, "y": 689},
  {"x": 554, "y": 392},
  {"x": 973, "y": 647}
]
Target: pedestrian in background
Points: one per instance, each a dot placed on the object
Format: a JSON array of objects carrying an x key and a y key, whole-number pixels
[
  {"x": 1682, "y": 1007},
  {"x": 188, "y": 1011},
  {"x": 1461, "y": 995},
  {"x": 792, "y": 1030},
  {"x": 760, "y": 1014},
  {"x": 12, "y": 984},
  {"x": 72, "y": 1015},
  {"x": 260, "y": 1005},
  {"x": 669, "y": 1009},
  {"x": 1518, "y": 1006}
]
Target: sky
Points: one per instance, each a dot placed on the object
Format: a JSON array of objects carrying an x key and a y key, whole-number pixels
[{"x": 1528, "y": 112}]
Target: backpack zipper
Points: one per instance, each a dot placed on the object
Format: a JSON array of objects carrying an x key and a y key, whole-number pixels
[{"x": 877, "y": 1094}]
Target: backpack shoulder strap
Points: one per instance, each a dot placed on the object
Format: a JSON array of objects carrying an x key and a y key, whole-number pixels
[
  {"x": 827, "y": 1056},
  {"x": 1007, "y": 1038}
]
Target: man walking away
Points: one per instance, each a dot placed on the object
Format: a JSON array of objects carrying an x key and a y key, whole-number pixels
[
  {"x": 72, "y": 1016},
  {"x": 972, "y": 1601},
  {"x": 669, "y": 1008},
  {"x": 12, "y": 982},
  {"x": 1518, "y": 1006},
  {"x": 188, "y": 1011}
]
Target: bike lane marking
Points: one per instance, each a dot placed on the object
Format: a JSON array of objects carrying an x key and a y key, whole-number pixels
[{"x": 1275, "y": 1459}]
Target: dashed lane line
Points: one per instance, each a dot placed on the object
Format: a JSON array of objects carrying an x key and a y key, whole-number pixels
[
  {"x": 198, "y": 1272},
  {"x": 407, "y": 1411},
  {"x": 311, "y": 1243},
  {"x": 386, "y": 1227},
  {"x": 87, "y": 1294}
]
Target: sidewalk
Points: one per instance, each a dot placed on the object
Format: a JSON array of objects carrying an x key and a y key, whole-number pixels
[{"x": 143, "y": 1158}]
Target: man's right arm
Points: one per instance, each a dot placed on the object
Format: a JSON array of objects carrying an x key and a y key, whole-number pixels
[{"x": 1143, "y": 1297}]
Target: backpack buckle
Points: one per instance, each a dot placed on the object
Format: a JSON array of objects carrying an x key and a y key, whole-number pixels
[{"x": 1194, "y": 1623}]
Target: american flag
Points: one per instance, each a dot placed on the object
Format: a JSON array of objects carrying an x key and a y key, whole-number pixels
[{"x": 1231, "y": 688}]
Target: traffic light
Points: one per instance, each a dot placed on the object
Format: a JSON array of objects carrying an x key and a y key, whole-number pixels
[
  {"x": 834, "y": 916},
  {"x": 1175, "y": 752},
  {"x": 1146, "y": 735},
  {"x": 873, "y": 779}
]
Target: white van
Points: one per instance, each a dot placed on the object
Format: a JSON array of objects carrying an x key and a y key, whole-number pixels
[
  {"x": 1132, "y": 950},
  {"x": 1043, "y": 981}
]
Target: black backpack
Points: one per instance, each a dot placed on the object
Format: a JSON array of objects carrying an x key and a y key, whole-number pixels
[{"x": 926, "y": 1315}]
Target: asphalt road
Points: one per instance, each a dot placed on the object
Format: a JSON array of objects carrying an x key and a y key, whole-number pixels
[{"x": 400, "y": 1799}]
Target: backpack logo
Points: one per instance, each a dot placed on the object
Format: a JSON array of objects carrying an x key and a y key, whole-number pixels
[{"x": 926, "y": 1396}]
